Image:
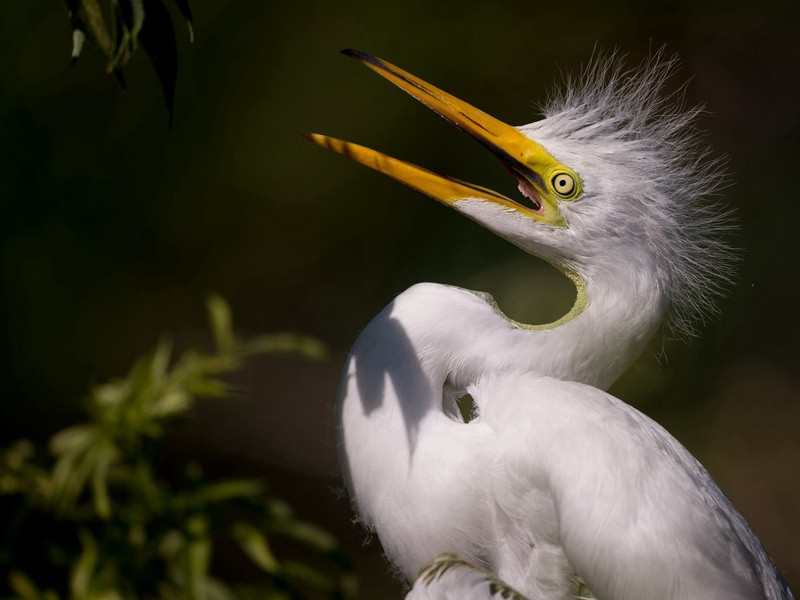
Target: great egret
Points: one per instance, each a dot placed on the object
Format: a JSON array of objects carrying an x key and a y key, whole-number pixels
[{"x": 554, "y": 477}]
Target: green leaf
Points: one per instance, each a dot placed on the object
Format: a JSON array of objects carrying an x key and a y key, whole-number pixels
[
  {"x": 72, "y": 439},
  {"x": 83, "y": 568},
  {"x": 78, "y": 39},
  {"x": 23, "y": 586},
  {"x": 157, "y": 38},
  {"x": 310, "y": 575},
  {"x": 186, "y": 11},
  {"x": 121, "y": 39},
  {"x": 286, "y": 343},
  {"x": 197, "y": 559},
  {"x": 133, "y": 13},
  {"x": 87, "y": 16},
  {"x": 216, "y": 493},
  {"x": 255, "y": 545},
  {"x": 308, "y": 535},
  {"x": 219, "y": 314}
]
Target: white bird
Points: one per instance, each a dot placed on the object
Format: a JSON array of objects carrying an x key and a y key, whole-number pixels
[{"x": 554, "y": 477}]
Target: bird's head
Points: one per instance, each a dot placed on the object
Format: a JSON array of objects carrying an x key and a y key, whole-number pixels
[{"x": 614, "y": 172}]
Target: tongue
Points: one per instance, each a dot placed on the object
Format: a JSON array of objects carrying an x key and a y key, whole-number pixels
[{"x": 527, "y": 190}]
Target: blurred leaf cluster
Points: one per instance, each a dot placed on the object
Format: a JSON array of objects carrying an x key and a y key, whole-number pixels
[
  {"x": 93, "y": 516},
  {"x": 129, "y": 24}
]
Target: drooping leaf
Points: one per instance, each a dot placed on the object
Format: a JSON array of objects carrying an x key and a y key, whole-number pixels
[
  {"x": 87, "y": 16},
  {"x": 78, "y": 39},
  {"x": 157, "y": 37},
  {"x": 121, "y": 39},
  {"x": 186, "y": 11},
  {"x": 132, "y": 11}
]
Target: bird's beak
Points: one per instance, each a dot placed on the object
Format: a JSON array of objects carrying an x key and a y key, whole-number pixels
[{"x": 518, "y": 153}]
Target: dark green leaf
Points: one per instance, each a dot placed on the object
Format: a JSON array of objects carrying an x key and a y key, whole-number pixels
[
  {"x": 132, "y": 11},
  {"x": 157, "y": 38},
  {"x": 87, "y": 16},
  {"x": 121, "y": 39},
  {"x": 186, "y": 11}
]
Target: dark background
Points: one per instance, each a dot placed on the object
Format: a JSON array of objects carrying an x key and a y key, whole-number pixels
[{"x": 114, "y": 228}]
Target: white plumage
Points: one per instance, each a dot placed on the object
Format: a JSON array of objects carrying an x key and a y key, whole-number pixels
[{"x": 554, "y": 477}]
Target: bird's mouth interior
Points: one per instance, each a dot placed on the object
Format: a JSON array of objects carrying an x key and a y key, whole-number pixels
[{"x": 526, "y": 189}]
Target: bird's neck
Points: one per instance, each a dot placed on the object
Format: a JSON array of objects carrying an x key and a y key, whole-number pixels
[{"x": 618, "y": 307}]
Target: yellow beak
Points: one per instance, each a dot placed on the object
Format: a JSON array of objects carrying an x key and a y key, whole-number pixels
[{"x": 527, "y": 160}]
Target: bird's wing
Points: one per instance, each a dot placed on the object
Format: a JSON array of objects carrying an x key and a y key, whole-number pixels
[{"x": 636, "y": 515}]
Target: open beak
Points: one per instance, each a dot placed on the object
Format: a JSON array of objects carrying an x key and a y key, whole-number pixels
[{"x": 515, "y": 150}]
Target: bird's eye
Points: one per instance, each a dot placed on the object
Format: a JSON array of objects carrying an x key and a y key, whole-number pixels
[{"x": 563, "y": 184}]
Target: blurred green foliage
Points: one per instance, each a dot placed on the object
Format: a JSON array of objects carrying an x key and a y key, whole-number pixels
[{"x": 108, "y": 524}]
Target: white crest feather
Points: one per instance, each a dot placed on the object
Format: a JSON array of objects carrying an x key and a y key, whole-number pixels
[{"x": 667, "y": 174}]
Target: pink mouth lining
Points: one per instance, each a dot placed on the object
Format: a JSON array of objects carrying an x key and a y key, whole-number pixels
[{"x": 527, "y": 190}]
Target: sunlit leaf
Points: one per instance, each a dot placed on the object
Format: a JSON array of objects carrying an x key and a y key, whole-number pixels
[
  {"x": 87, "y": 16},
  {"x": 286, "y": 343},
  {"x": 160, "y": 361},
  {"x": 105, "y": 456},
  {"x": 133, "y": 13},
  {"x": 219, "y": 314},
  {"x": 171, "y": 543},
  {"x": 216, "y": 493},
  {"x": 72, "y": 438},
  {"x": 217, "y": 590},
  {"x": 78, "y": 39},
  {"x": 83, "y": 568},
  {"x": 255, "y": 545},
  {"x": 23, "y": 586},
  {"x": 197, "y": 560}
]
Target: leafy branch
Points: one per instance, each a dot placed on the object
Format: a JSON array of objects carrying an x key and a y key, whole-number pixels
[
  {"x": 128, "y": 25},
  {"x": 107, "y": 525}
]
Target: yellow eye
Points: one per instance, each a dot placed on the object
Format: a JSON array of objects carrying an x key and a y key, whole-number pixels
[{"x": 563, "y": 184}]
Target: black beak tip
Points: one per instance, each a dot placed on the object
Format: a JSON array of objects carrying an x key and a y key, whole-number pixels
[{"x": 362, "y": 56}]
